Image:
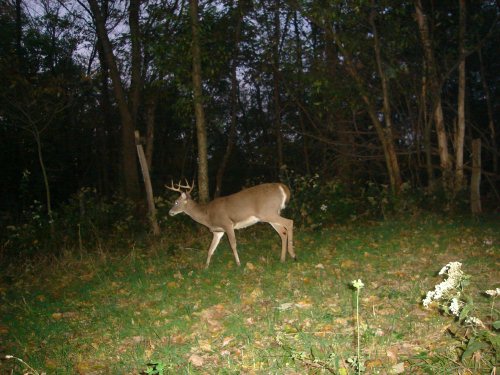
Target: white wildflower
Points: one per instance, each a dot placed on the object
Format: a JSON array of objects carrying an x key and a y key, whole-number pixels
[
  {"x": 493, "y": 292},
  {"x": 451, "y": 268},
  {"x": 323, "y": 207},
  {"x": 358, "y": 284},
  {"x": 473, "y": 321},
  {"x": 454, "y": 273},
  {"x": 455, "y": 306},
  {"x": 428, "y": 299}
]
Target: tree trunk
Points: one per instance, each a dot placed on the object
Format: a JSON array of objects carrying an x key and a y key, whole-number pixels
[
  {"x": 459, "y": 137},
  {"x": 150, "y": 127},
  {"x": 231, "y": 139},
  {"x": 129, "y": 165},
  {"x": 427, "y": 135},
  {"x": 201, "y": 131},
  {"x": 393, "y": 165},
  {"x": 435, "y": 91},
  {"x": 19, "y": 32},
  {"x": 136, "y": 58},
  {"x": 276, "y": 85},
  {"x": 491, "y": 119},
  {"x": 48, "y": 198},
  {"x": 300, "y": 93},
  {"x": 384, "y": 133},
  {"x": 147, "y": 184},
  {"x": 343, "y": 162},
  {"x": 475, "y": 183},
  {"x": 104, "y": 124}
]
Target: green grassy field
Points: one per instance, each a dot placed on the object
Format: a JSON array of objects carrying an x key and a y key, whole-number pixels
[{"x": 116, "y": 310}]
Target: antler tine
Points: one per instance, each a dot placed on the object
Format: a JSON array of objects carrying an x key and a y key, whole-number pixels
[
  {"x": 173, "y": 188},
  {"x": 189, "y": 187},
  {"x": 180, "y": 187}
]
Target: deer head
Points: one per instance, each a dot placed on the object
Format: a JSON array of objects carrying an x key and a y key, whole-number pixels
[{"x": 181, "y": 202}]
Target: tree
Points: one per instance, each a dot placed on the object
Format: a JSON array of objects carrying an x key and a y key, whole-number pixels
[
  {"x": 201, "y": 131},
  {"x": 460, "y": 133},
  {"x": 129, "y": 164},
  {"x": 435, "y": 95},
  {"x": 231, "y": 139}
]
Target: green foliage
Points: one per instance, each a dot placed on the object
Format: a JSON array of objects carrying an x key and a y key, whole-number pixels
[
  {"x": 315, "y": 203},
  {"x": 86, "y": 220},
  {"x": 478, "y": 342},
  {"x": 156, "y": 368},
  {"x": 30, "y": 235},
  {"x": 94, "y": 216}
]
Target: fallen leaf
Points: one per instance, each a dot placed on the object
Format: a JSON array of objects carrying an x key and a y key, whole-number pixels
[
  {"x": 319, "y": 266},
  {"x": 249, "y": 266},
  {"x": 392, "y": 355},
  {"x": 285, "y": 306},
  {"x": 227, "y": 340},
  {"x": 373, "y": 363},
  {"x": 51, "y": 364},
  {"x": 196, "y": 360},
  {"x": 177, "y": 339},
  {"x": 204, "y": 345},
  {"x": 65, "y": 315},
  {"x": 398, "y": 368},
  {"x": 256, "y": 293},
  {"x": 348, "y": 264},
  {"x": 303, "y": 304},
  {"x": 172, "y": 284}
]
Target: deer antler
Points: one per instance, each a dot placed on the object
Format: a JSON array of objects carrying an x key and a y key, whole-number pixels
[{"x": 180, "y": 187}]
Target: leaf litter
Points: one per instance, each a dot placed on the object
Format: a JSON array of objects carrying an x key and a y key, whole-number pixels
[{"x": 230, "y": 316}]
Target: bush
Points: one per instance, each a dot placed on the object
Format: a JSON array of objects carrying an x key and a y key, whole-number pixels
[{"x": 84, "y": 220}]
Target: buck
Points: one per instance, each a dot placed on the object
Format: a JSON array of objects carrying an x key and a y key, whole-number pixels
[{"x": 261, "y": 203}]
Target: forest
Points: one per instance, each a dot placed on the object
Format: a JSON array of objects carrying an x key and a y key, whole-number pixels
[
  {"x": 380, "y": 116},
  {"x": 392, "y": 93}
]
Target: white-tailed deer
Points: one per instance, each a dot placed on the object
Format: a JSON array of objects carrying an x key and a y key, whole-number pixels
[{"x": 261, "y": 203}]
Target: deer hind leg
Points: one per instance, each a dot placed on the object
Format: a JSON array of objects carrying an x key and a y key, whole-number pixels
[
  {"x": 232, "y": 241},
  {"x": 289, "y": 231},
  {"x": 284, "y": 227},
  {"x": 215, "y": 241}
]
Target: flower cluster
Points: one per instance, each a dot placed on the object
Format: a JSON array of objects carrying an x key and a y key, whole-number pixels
[
  {"x": 358, "y": 284},
  {"x": 493, "y": 292},
  {"x": 456, "y": 306},
  {"x": 473, "y": 321},
  {"x": 454, "y": 272}
]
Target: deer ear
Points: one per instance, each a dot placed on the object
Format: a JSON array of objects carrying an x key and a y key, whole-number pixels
[{"x": 183, "y": 195}]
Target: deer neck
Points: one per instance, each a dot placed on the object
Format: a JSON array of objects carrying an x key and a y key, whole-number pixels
[{"x": 197, "y": 212}]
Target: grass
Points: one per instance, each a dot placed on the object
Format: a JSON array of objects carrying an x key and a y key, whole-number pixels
[{"x": 119, "y": 309}]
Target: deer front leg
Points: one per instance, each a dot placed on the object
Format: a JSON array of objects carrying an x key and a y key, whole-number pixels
[
  {"x": 232, "y": 241},
  {"x": 215, "y": 241}
]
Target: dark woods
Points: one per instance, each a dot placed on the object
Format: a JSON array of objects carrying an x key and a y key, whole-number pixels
[{"x": 334, "y": 98}]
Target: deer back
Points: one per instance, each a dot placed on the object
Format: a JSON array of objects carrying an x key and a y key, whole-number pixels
[{"x": 249, "y": 205}]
